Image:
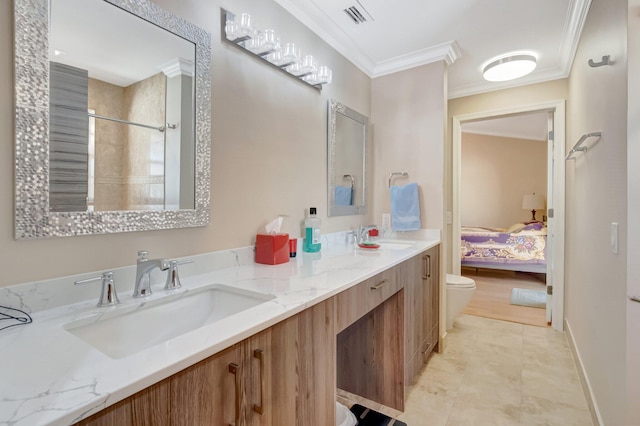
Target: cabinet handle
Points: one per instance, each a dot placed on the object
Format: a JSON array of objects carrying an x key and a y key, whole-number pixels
[
  {"x": 257, "y": 353},
  {"x": 634, "y": 298},
  {"x": 233, "y": 369},
  {"x": 426, "y": 266},
  {"x": 380, "y": 284}
]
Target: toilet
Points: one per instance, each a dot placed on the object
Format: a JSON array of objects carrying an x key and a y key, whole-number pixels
[{"x": 459, "y": 292}]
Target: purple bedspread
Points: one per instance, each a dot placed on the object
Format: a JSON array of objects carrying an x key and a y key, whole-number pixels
[{"x": 495, "y": 247}]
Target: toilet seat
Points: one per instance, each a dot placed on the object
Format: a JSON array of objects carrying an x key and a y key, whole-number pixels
[{"x": 458, "y": 281}]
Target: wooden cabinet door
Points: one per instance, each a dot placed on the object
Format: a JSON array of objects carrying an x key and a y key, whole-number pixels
[
  {"x": 149, "y": 407},
  {"x": 431, "y": 298},
  {"x": 410, "y": 276},
  {"x": 209, "y": 393},
  {"x": 291, "y": 370}
]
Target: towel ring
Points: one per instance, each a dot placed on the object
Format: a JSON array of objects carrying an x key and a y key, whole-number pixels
[{"x": 404, "y": 174}]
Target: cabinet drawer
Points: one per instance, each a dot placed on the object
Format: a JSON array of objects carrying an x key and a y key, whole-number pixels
[{"x": 355, "y": 302}]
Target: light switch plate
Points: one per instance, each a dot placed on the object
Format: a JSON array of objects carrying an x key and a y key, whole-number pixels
[{"x": 614, "y": 237}]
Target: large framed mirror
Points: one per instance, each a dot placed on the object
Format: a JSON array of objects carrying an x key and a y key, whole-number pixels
[
  {"x": 347, "y": 158},
  {"x": 113, "y": 118}
]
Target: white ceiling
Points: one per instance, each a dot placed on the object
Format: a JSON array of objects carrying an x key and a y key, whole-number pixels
[
  {"x": 112, "y": 44},
  {"x": 466, "y": 33},
  {"x": 530, "y": 126}
]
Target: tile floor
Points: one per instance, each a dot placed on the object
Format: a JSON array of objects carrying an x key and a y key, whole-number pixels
[
  {"x": 499, "y": 373},
  {"x": 495, "y": 373}
]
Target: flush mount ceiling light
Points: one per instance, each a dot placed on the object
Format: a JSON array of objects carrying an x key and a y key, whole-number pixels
[{"x": 509, "y": 67}]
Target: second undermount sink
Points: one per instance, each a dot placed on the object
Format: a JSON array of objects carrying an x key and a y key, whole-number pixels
[
  {"x": 395, "y": 244},
  {"x": 130, "y": 331}
]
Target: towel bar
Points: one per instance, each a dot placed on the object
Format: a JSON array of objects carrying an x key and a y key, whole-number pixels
[
  {"x": 404, "y": 174},
  {"x": 578, "y": 148}
]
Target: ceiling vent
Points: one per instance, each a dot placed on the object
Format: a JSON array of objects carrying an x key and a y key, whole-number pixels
[
  {"x": 358, "y": 14},
  {"x": 355, "y": 15}
]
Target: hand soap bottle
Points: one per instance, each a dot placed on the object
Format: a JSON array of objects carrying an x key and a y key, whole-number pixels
[{"x": 312, "y": 232}]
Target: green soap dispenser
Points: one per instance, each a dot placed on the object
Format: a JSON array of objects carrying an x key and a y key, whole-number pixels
[{"x": 312, "y": 233}]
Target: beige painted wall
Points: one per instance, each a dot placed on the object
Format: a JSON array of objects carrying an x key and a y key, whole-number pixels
[
  {"x": 492, "y": 101},
  {"x": 408, "y": 115},
  {"x": 110, "y": 145},
  {"x": 596, "y": 191},
  {"x": 495, "y": 174},
  {"x": 633, "y": 206},
  {"x": 268, "y": 151},
  {"x": 145, "y": 103}
]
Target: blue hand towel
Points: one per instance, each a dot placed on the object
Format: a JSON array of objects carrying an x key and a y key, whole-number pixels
[
  {"x": 405, "y": 208},
  {"x": 343, "y": 195}
]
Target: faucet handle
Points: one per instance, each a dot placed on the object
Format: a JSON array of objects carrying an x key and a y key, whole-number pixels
[
  {"x": 108, "y": 295},
  {"x": 143, "y": 256},
  {"x": 173, "y": 280}
]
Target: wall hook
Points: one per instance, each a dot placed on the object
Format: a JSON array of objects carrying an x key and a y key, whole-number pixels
[{"x": 605, "y": 61}]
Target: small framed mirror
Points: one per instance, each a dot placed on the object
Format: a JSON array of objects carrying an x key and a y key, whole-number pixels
[
  {"x": 112, "y": 118},
  {"x": 347, "y": 160}
]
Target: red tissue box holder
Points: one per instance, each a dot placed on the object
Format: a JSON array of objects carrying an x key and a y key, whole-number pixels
[{"x": 272, "y": 249}]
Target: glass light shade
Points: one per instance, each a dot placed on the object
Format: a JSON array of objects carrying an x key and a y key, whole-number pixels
[
  {"x": 231, "y": 29},
  {"x": 269, "y": 39},
  {"x": 245, "y": 26},
  {"x": 509, "y": 68},
  {"x": 290, "y": 53},
  {"x": 325, "y": 75},
  {"x": 308, "y": 64}
]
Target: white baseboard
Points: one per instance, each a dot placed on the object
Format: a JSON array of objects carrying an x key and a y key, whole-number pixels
[
  {"x": 584, "y": 379},
  {"x": 442, "y": 343}
]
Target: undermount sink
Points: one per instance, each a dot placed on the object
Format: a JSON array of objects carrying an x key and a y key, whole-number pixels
[
  {"x": 395, "y": 244},
  {"x": 127, "y": 331}
]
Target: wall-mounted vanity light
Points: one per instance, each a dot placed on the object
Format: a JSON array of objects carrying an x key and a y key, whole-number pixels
[{"x": 241, "y": 31}]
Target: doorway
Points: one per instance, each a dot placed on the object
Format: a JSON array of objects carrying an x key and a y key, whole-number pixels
[{"x": 554, "y": 268}]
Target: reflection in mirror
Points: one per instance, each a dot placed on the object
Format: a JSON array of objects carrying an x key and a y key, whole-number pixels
[
  {"x": 347, "y": 144},
  {"x": 110, "y": 136},
  {"x": 121, "y": 111}
]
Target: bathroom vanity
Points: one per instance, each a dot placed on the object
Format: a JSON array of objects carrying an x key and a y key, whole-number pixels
[
  {"x": 358, "y": 320},
  {"x": 379, "y": 332}
]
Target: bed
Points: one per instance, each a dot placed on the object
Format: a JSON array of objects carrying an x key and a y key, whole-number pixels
[{"x": 522, "y": 247}]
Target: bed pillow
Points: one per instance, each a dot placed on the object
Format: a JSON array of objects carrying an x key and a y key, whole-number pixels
[{"x": 516, "y": 227}]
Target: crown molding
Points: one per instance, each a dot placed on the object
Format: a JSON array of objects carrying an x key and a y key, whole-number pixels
[
  {"x": 476, "y": 89},
  {"x": 178, "y": 66},
  {"x": 448, "y": 52},
  {"x": 572, "y": 32}
]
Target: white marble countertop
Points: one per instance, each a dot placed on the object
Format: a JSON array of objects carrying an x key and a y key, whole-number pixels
[{"x": 49, "y": 376}]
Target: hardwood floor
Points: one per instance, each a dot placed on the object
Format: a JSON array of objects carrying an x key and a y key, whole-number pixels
[{"x": 493, "y": 291}]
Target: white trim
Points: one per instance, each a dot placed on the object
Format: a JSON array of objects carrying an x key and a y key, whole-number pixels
[
  {"x": 558, "y": 108},
  {"x": 511, "y": 135},
  {"x": 572, "y": 31},
  {"x": 584, "y": 379},
  {"x": 448, "y": 52},
  {"x": 178, "y": 66}
]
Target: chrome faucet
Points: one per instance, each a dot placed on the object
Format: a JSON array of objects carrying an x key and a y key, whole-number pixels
[
  {"x": 363, "y": 233},
  {"x": 143, "y": 272}
]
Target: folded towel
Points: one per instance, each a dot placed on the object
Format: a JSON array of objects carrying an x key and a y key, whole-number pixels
[
  {"x": 405, "y": 208},
  {"x": 343, "y": 195}
]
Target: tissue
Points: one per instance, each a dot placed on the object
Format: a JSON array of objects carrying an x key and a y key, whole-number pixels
[
  {"x": 274, "y": 226},
  {"x": 272, "y": 248}
]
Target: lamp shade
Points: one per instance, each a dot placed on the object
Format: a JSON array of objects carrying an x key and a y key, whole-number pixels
[{"x": 533, "y": 202}]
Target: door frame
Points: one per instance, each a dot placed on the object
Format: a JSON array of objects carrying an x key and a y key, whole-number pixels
[{"x": 559, "y": 110}]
